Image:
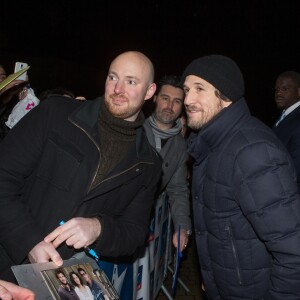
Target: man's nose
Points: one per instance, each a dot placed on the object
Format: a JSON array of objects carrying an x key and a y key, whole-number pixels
[
  {"x": 280, "y": 90},
  {"x": 188, "y": 99},
  {"x": 170, "y": 105},
  {"x": 119, "y": 87}
]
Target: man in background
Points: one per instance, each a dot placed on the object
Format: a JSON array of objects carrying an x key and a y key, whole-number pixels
[
  {"x": 89, "y": 164},
  {"x": 287, "y": 128},
  {"x": 163, "y": 129}
]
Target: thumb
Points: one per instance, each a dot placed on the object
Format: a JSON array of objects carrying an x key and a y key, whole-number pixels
[
  {"x": 54, "y": 256},
  {"x": 57, "y": 260}
]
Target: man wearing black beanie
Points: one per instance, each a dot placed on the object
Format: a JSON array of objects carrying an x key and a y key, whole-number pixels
[{"x": 245, "y": 201}]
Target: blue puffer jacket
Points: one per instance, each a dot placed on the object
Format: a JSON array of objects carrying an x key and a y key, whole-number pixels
[{"x": 246, "y": 209}]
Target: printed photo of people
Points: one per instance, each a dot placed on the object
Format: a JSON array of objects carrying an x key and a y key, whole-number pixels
[{"x": 79, "y": 282}]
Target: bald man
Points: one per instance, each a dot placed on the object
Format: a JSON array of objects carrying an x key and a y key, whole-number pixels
[{"x": 89, "y": 164}]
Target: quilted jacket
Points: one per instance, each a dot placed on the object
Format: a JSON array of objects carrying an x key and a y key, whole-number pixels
[{"x": 246, "y": 209}]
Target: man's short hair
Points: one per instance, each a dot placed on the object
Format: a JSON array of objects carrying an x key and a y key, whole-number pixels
[
  {"x": 295, "y": 76},
  {"x": 172, "y": 80},
  {"x": 221, "y": 96},
  {"x": 81, "y": 269},
  {"x": 59, "y": 271}
]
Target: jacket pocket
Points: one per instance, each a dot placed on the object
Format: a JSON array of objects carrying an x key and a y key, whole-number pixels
[
  {"x": 60, "y": 162},
  {"x": 228, "y": 229}
]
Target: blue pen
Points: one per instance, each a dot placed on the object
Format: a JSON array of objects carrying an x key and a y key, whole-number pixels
[{"x": 87, "y": 249}]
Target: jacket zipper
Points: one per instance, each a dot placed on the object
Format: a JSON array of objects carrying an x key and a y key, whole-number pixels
[
  {"x": 235, "y": 256},
  {"x": 99, "y": 150}
]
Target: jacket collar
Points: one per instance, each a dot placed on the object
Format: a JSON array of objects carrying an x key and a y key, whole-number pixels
[
  {"x": 225, "y": 124},
  {"x": 86, "y": 118},
  {"x": 86, "y": 115}
]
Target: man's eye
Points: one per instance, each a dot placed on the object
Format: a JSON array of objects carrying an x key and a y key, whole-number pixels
[
  {"x": 131, "y": 82},
  {"x": 111, "y": 77},
  {"x": 185, "y": 91}
]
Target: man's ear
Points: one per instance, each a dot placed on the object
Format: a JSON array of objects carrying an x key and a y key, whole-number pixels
[
  {"x": 225, "y": 103},
  {"x": 150, "y": 92}
]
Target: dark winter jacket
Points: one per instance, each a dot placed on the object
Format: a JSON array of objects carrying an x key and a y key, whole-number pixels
[
  {"x": 288, "y": 131},
  {"x": 47, "y": 166},
  {"x": 246, "y": 209}
]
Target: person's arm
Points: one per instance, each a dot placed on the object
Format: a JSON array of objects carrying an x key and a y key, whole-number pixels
[
  {"x": 11, "y": 291},
  {"x": 19, "y": 155},
  {"x": 114, "y": 236},
  {"x": 268, "y": 197},
  {"x": 178, "y": 194}
]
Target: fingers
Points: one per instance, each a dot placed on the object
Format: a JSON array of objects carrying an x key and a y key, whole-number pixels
[
  {"x": 184, "y": 238},
  {"x": 5, "y": 294},
  {"x": 44, "y": 252},
  {"x": 68, "y": 232},
  {"x": 9, "y": 291},
  {"x": 183, "y": 246},
  {"x": 77, "y": 232},
  {"x": 56, "y": 236}
]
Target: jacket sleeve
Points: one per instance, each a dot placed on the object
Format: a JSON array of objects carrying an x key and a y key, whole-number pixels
[
  {"x": 268, "y": 197},
  {"x": 19, "y": 154},
  {"x": 178, "y": 194}
]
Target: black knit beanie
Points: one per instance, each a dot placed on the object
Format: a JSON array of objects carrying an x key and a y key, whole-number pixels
[{"x": 220, "y": 71}]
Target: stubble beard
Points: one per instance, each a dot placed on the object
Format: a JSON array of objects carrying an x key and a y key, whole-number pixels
[
  {"x": 206, "y": 117},
  {"x": 167, "y": 119},
  {"x": 123, "y": 111}
]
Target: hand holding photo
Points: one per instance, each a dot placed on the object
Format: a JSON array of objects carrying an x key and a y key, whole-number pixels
[{"x": 77, "y": 279}]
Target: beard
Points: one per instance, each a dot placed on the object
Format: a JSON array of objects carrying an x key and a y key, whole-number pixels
[
  {"x": 203, "y": 117},
  {"x": 166, "y": 116},
  {"x": 122, "y": 110}
]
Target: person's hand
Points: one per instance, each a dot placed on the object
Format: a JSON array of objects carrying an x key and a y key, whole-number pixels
[
  {"x": 11, "y": 291},
  {"x": 12, "y": 89},
  {"x": 44, "y": 252},
  {"x": 184, "y": 239},
  {"x": 77, "y": 232}
]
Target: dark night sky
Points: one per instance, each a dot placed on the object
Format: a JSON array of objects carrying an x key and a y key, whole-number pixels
[{"x": 72, "y": 44}]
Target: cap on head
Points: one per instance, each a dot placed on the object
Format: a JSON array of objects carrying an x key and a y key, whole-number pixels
[{"x": 220, "y": 71}]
